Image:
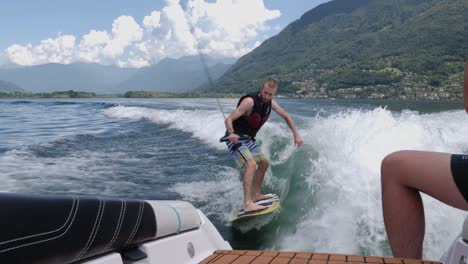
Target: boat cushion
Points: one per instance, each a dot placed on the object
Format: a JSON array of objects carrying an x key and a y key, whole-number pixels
[
  {"x": 65, "y": 229},
  {"x": 174, "y": 217}
]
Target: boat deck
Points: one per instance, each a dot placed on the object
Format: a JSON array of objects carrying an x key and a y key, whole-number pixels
[{"x": 275, "y": 257}]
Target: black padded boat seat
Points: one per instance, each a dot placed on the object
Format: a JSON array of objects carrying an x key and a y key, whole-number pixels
[{"x": 65, "y": 229}]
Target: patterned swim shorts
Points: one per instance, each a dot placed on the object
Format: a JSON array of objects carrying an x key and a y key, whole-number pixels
[{"x": 245, "y": 150}]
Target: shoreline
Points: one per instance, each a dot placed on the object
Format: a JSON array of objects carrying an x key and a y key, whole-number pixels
[{"x": 148, "y": 95}]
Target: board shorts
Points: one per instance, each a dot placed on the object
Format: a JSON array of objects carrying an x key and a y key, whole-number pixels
[
  {"x": 245, "y": 150},
  {"x": 459, "y": 167}
]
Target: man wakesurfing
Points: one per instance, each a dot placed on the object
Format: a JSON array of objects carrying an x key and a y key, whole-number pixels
[{"x": 252, "y": 111}]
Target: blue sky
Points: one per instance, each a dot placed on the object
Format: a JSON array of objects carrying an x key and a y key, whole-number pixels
[{"x": 41, "y": 31}]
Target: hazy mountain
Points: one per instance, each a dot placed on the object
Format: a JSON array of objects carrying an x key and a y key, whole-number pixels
[
  {"x": 62, "y": 77},
  {"x": 349, "y": 43},
  {"x": 169, "y": 75},
  {"x": 177, "y": 75},
  {"x": 8, "y": 87}
]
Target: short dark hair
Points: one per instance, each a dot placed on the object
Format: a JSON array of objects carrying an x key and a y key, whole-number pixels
[{"x": 271, "y": 83}]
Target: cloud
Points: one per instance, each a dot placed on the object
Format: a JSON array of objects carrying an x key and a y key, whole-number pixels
[
  {"x": 152, "y": 21},
  {"x": 229, "y": 27},
  {"x": 125, "y": 31},
  {"x": 220, "y": 28},
  {"x": 91, "y": 45},
  {"x": 58, "y": 50}
]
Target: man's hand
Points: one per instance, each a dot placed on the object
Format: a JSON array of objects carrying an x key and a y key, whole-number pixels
[
  {"x": 298, "y": 142},
  {"x": 233, "y": 137}
]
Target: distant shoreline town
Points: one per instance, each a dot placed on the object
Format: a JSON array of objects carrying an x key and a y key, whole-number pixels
[
  {"x": 339, "y": 94},
  {"x": 130, "y": 94}
]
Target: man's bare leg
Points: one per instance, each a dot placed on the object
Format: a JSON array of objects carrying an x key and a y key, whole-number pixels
[
  {"x": 249, "y": 205},
  {"x": 259, "y": 176},
  {"x": 404, "y": 174}
]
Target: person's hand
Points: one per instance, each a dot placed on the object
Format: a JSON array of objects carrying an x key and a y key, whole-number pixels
[
  {"x": 298, "y": 142},
  {"x": 233, "y": 137}
]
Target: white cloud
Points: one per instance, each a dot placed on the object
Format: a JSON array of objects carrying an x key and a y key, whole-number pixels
[
  {"x": 133, "y": 63},
  {"x": 90, "y": 47},
  {"x": 125, "y": 31},
  {"x": 229, "y": 27},
  {"x": 58, "y": 50},
  {"x": 95, "y": 38},
  {"x": 152, "y": 21},
  {"x": 224, "y": 27}
]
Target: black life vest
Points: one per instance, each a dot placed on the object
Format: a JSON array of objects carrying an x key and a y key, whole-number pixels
[{"x": 250, "y": 125}]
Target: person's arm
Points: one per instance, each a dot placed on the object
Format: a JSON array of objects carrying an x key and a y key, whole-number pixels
[
  {"x": 245, "y": 107},
  {"x": 297, "y": 138},
  {"x": 465, "y": 87}
]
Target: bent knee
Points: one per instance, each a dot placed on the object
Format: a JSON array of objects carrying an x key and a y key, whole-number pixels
[
  {"x": 391, "y": 160},
  {"x": 392, "y": 165},
  {"x": 263, "y": 164},
  {"x": 250, "y": 164}
]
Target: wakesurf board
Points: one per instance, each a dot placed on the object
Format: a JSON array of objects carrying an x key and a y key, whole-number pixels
[{"x": 272, "y": 204}]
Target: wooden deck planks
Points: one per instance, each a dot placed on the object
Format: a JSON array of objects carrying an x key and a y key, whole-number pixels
[{"x": 275, "y": 257}]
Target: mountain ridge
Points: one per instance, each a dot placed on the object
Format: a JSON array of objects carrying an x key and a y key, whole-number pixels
[
  {"x": 8, "y": 87},
  {"x": 381, "y": 46},
  {"x": 104, "y": 79},
  {"x": 166, "y": 75}
]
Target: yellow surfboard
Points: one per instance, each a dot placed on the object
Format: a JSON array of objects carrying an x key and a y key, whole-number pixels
[{"x": 272, "y": 205}]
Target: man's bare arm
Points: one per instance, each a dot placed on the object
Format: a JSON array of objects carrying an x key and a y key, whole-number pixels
[
  {"x": 297, "y": 138},
  {"x": 244, "y": 108}
]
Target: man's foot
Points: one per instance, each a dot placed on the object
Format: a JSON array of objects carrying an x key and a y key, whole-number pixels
[
  {"x": 253, "y": 208},
  {"x": 260, "y": 197}
]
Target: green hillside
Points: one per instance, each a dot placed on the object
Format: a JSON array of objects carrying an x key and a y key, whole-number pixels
[{"x": 363, "y": 48}]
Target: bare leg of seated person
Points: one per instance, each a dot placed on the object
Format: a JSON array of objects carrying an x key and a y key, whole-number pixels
[{"x": 404, "y": 175}]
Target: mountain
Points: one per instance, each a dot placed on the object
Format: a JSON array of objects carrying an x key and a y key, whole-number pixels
[
  {"x": 385, "y": 46},
  {"x": 177, "y": 75},
  {"x": 169, "y": 75},
  {"x": 63, "y": 77},
  {"x": 8, "y": 87}
]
